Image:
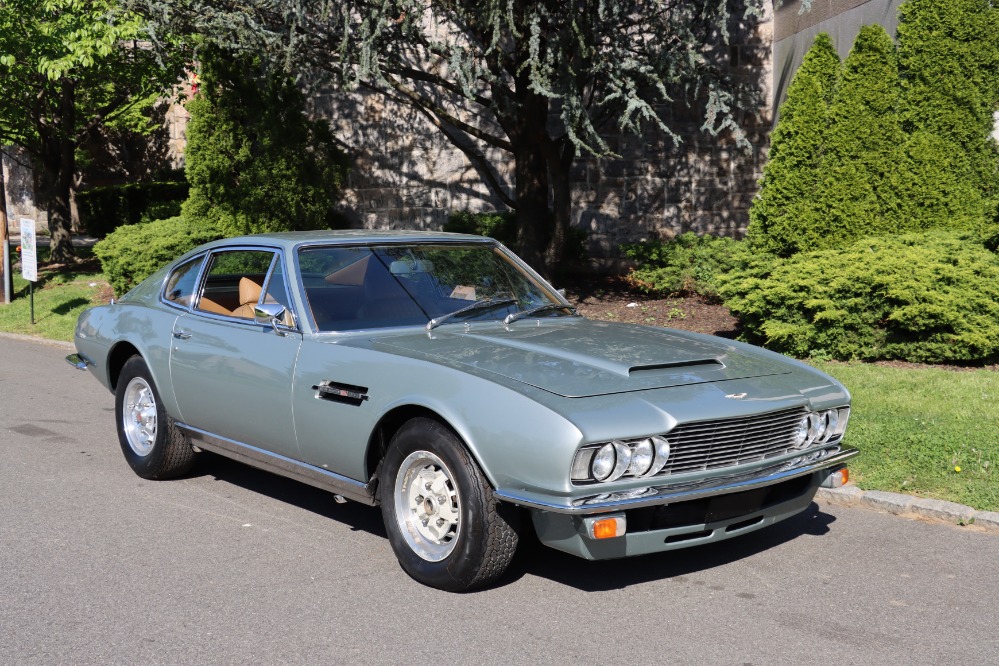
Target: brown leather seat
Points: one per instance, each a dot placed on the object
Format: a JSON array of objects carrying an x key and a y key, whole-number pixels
[
  {"x": 249, "y": 295},
  {"x": 208, "y": 305}
]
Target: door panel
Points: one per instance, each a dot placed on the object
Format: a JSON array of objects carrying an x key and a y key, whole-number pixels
[{"x": 234, "y": 379}]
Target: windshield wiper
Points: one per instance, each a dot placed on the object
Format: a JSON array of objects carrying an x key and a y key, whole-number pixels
[
  {"x": 514, "y": 316},
  {"x": 484, "y": 304}
]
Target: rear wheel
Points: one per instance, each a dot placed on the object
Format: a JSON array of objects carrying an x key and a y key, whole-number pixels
[
  {"x": 443, "y": 521},
  {"x": 154, "y": 448}
]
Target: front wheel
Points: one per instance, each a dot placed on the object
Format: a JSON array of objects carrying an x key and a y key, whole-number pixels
[
  {"x": 442, "y": 519},
  {"x": 154, "y": 448}
]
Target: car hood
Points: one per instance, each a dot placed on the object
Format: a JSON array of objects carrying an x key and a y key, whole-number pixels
[{"x": 582, "y": 358}]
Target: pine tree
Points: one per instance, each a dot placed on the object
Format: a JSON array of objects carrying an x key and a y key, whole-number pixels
[
  {"x": 254, "y": 160},
  {"x": 792, "y": 176},
  {"x": 948, "y": 55},
  {"x": 856, "y": 196}
]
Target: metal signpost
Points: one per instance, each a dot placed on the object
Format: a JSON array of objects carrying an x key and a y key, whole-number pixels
[{"x": 29, "y": 261}]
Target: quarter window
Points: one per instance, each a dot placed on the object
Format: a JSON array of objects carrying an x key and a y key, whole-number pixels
[{"x": 181, "y": 283}]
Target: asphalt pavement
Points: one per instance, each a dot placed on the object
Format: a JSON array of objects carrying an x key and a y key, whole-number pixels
[{"x": 231, "y": 565}]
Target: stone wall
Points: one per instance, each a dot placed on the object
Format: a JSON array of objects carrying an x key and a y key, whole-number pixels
[
  {"x": 405, "y": 174},
  {"x": 20, "y": 188}
]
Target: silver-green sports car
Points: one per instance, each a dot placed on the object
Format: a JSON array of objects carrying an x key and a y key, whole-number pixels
[{"x": 438, "y": 376}]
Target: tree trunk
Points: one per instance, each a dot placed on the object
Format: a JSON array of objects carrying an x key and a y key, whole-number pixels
[
  {"x": 528, "y": 136},
  {"x": 59, "y": 163},
  {"x": 559, "y": 160}
]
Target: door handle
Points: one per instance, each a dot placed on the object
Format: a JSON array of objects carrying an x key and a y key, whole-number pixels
[{"x": 182, "y": 335}]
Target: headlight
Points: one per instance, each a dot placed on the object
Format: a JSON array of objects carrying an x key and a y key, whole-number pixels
[
  {"x": 603, "y": 462},
  {"x": 641, "y": 457}
]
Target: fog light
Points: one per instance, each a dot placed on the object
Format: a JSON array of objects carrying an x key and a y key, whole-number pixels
[{"x": 607, "y": 527}]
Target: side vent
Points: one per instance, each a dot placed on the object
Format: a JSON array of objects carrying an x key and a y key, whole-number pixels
[{"x": 337, "y": 392}]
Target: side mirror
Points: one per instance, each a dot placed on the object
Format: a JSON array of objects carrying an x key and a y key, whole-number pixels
[{"x": 270, "y": 314}]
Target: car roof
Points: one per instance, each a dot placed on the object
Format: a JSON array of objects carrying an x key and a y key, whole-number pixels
[{"x": 291, "y": 239}]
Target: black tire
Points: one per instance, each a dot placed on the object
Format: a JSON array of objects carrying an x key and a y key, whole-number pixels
[
  {"x": 476, "y": 536},
  {"x": 153, "y": 446}
]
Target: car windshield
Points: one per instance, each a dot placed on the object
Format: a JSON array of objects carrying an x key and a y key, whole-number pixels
[{"x": 352, "y": 288}]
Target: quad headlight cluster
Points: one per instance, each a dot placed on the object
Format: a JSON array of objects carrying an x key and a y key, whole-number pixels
[
  {"x": 609, "y": 462},
  {"x": 820, "y": 427}
]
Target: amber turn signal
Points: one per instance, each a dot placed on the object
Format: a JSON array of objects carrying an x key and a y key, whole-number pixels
[{"x": 607, "y": 528}]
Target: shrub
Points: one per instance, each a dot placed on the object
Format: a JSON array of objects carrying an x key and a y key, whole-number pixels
[
  {"x": 134, "y": 252},
  {"x": 104, "y": 209},
  {"x": 686, "y": 264},
  {"x": 791, "y": 175},
  {"x": 931, "y": 298}
]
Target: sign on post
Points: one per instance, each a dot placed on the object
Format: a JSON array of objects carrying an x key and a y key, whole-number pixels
[{"x": 29, "y": 261}]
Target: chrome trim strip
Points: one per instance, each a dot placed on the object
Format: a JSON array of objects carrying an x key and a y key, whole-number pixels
[
  {"x": 278, "y": 464},
  {"x": 637, "y": 498}
]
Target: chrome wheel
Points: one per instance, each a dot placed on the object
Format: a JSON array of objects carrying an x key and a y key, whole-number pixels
[
  {"x": 427, "y": 506},
  {"x": 139, "y": 416}
]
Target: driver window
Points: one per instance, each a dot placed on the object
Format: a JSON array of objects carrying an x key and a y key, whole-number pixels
[{"x": 234, "y": 282}]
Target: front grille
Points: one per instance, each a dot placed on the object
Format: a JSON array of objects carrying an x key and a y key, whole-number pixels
[{"x": 715, "y": 444}]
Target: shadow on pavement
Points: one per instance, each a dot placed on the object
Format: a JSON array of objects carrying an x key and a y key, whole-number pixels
[{"x": 532, "y": 559}]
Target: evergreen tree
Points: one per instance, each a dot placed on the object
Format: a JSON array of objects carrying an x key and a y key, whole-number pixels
[
  {"x": 522, "y": 83},
  {"x": 255, "y": 161},
  {"x": 948, "y": 56},
  {"x": 856, "y": 196},
  {"x": 792, "y": 174}
]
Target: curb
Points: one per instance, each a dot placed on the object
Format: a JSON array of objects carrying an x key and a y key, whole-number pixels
[
  {"x": 911, "y": 507},
  {"x": 62, "y": 344}
]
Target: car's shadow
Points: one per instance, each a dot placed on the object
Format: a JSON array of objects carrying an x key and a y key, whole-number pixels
[{"x": 533, "y": 559}]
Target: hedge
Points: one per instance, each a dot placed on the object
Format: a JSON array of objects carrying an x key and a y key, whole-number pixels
[
  {"x": 134, "y": 252},
  {"x": 931, "y": 298}
]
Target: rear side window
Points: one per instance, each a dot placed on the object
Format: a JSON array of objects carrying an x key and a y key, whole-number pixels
[{"x": 182, "y": 282}]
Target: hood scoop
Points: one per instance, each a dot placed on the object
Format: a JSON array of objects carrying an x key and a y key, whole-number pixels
[{"x": 700, "y": 364}]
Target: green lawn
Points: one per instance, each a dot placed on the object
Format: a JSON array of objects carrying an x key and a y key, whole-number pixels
[
  {"x": 59, "y": 299},
  {"x": 924, "y": 431},
  {"x": 915, "y": 427}
]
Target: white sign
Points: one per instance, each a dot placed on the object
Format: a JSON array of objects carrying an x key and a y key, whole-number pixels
[{"x": 29, "y": 262}]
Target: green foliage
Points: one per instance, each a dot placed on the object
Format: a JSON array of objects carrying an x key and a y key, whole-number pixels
[
  {"x": 686, "y": 264},
  {"x": 103, "y": 209},
  {"x": 949, "y": 64},
  {"x": 792, "y": 174},
  {"x": 255, "y": 161},
  {"x": 856, "y": 198},
  {"x": 906, "y": 144},
  {"x": 916, "y": 426},
  {"x": 501, "y": 226},
  {"x": 524, "y": 84},
  {"x": 68, "y": 68},
  {"x": 930, "y": 297},
  {"x": 133, "y": 252}
]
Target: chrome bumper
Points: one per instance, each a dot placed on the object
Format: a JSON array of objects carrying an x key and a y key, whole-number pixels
[{"x": 637, "y": 498}]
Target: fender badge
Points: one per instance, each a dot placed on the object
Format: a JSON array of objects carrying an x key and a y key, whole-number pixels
[{"x": 736, "y": 396}]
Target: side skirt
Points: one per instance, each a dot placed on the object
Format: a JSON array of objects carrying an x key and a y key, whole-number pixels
[{"x": 280, "y": 465}]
